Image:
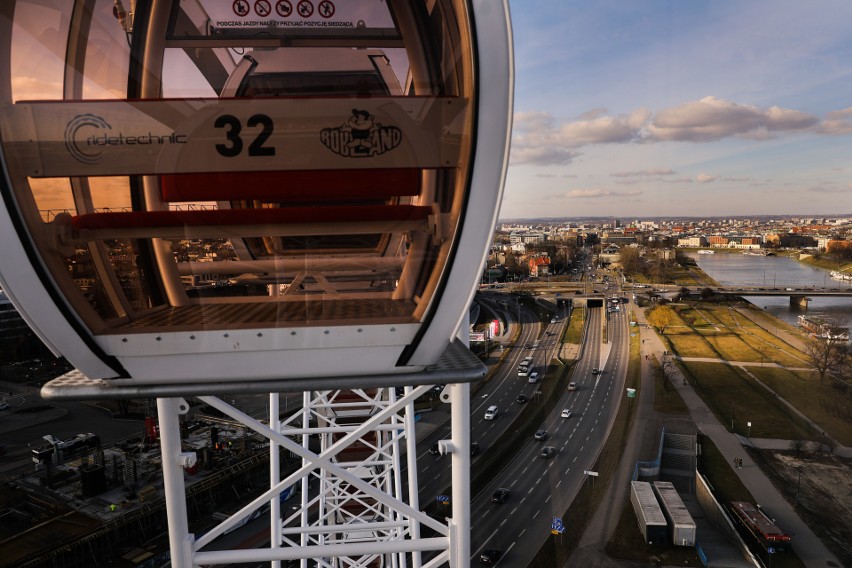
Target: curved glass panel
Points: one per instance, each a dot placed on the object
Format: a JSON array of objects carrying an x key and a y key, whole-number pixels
[{"x": 201, "y": 165}]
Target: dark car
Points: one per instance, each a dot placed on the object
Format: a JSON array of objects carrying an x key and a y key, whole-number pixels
[
  {"x": 522, "y": 398},
  {"x": 548, "y": 452},
  {"x": 490, "y": 556},
  {"x": 474, "y": 448},
  {"x": 434, "y": 450},
  {"x": 541, "y": 435},
  {"x": 500, "y": 495},
  {"x": 527, "y": 346}
]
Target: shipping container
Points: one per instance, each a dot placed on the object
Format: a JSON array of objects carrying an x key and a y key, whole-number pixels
[
  {"x": 649, "y": 515},
  {"x": 681, "y": 524}
]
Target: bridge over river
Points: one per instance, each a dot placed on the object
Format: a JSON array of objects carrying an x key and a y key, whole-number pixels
[{"x": 799, "y": 295}]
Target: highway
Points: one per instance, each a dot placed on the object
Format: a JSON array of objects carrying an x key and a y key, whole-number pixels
[
  {"x": 502, "y": 390},
  {"x": 542, "y": 489}
]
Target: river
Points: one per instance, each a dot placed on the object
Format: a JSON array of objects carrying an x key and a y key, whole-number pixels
[{"x": 778, "y": 272}]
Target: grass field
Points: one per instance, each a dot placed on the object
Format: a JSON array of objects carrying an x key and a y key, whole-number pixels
[
  {"x": 729, "y": 393},
  {"x": 723, "y": 331},
  {"x": 574, "y": 331},
  {"x": 689, "y": 344},
  {"x": 666, "y": 397},
  {"x": 822, "y": 404}
]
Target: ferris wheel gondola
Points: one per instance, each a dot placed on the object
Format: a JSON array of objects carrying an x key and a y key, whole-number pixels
[{"x": 205, "y": 192}]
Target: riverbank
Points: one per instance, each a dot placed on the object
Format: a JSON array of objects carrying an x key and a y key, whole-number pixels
[{"x": 825, "y": 263}]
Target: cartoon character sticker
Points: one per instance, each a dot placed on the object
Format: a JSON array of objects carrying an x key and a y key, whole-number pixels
[{"x": 361, "y": 136}]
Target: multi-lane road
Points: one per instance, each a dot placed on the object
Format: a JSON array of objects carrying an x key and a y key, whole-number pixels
[{"x": 542, "y": 488}]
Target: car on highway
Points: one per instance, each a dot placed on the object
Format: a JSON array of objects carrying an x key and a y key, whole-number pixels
[
  {"x": 491, "y": 412},
  {"x": 566, "y": 413},
  {"x": 572, "y": 386},
  {"x": 595, "y": 371},
  {"x": 548, "y": 452},
  {"x": 434, "y": 450},
  {"x": 4, "y": 405},
  {"x": 540, "y": 435},
  {"x": 527, "y": 346},
  {"x": 533, "y": 378},
  {"x": 474, "y": 448},
  {"x": 490, "y": 556},
  {"x": 500, "y": 495},
  {"x": 522, "y": 398}
]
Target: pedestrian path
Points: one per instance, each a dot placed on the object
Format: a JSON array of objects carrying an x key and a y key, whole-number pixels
[
  {"x": 807, "y": 546},
  {"x": 840, "y": 449}
]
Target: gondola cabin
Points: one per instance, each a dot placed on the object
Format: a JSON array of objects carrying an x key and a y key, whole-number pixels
[{"x": 206, "y": 191}]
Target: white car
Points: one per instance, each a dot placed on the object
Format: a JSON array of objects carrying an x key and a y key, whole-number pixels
[
  {"x": 533, "y": 377},
  {"x": 491, "y": 413},
  {"x": 566, "y": 413},
  {"x": 572, "y": 386}
]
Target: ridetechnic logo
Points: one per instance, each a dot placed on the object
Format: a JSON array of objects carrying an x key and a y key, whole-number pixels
[
  {"x": 87, "y": 147},
  {"x": 361, "y": 136}
]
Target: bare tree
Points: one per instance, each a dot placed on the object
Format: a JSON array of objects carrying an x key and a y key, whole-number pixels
[
  {"x": 630, "y": 260},
  {"x": 827, "y": 353}
]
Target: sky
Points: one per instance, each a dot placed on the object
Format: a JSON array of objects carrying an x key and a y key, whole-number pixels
[{"x": 680, "y": 108}]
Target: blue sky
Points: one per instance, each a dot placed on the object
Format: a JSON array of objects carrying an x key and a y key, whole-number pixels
[{"x": 681, "y": 108}]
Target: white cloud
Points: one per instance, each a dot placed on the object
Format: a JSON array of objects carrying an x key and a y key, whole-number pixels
[
  {"x": 540, "y": 155},
  {"x": 595, "y": 193},
  {"x": 598, "y": 129},
  {"x": 539, "y": 138},
  {"x": 712, "y": 119},
  {"x": 644, "y": 173},
  {"x": 705, "y": 178},
  {"x": 837, "y": 122}
]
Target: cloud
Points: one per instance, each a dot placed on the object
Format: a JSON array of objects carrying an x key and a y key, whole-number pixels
[
  {"x": 738, "y": 179},
  {"x": 541, "y": 155},
  {"x": 595, "y": 193},
  {"x": 542, "y": 175},
  {"x": 540, "y": 138},
  {"x": 837, "y": 122},
  {"x": 645, "y": 173},
  {"x": 712, "y": 119},
  {"x": 705, "y": 178},
  {"x": 597, "y": 129},
  {"x": 831, "y": 187}
]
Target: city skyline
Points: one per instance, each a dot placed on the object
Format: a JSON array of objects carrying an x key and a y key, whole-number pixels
[{"x": 679, "y": 109}]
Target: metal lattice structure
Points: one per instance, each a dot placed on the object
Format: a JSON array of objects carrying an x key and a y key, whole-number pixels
[{"x": 356, "y": 507}]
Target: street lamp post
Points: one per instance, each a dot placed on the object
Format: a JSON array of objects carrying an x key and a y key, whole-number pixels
[
  {"x": 749, "y": 429},
  {"x": 732, "y": 417}
]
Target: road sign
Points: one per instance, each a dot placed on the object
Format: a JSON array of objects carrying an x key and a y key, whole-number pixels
[
  {"x": 631, "y": 393},
  {"x": 592, "y": 473},
  {"x": 556, "y": 527},
  {"x": 442, "y": 499}
]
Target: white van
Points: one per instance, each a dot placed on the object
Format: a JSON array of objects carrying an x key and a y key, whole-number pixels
[
  {"x": 533, "y": 377},
  {"x": 491, "y": 413}
]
